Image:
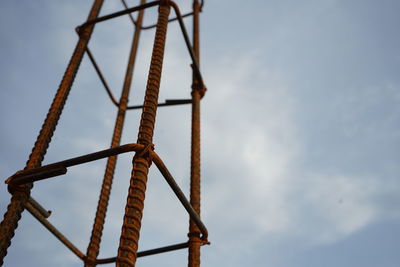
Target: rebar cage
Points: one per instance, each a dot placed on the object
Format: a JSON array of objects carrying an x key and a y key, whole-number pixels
[{"x": 21, "y": 183}]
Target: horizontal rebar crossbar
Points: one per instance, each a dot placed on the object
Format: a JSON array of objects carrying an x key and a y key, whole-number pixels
[
  {"x": 22, "y": 181},
  {"x": 52, "y": 229},
  {"x": 48, "y": 171},
  {"x": 154, "y": 25},
  {"x": 101, "y": 76},
  {"x": 119, "y": 13},
  {"x": 148, "y": 252},
  {"x": 195, "y": 64}
]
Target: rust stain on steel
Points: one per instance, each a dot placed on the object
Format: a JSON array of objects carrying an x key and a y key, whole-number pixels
[
  {"x": 35, "y": 213},
  {"x": 47, "y": 171},
  {"x": 130, "y": 232},
  {"x": 21, "y": 182},
  {"x": 95, "y": 239},
  {"x": 194, "y": 233},
  {"x": 20, "y": 196},
  {"x": 180, "y": 195}
]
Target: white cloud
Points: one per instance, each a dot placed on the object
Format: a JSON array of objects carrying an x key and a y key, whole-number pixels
[{"x": 253, "y": 156}]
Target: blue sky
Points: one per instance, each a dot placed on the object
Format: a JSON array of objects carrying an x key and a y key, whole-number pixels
[{"x": 300, "y": 131}]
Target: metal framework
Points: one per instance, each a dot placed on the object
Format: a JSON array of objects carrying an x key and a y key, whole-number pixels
[{"x": 21, "y": 183}]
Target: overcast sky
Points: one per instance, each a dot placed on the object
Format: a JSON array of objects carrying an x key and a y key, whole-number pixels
[{"x": 300, "y": 131}]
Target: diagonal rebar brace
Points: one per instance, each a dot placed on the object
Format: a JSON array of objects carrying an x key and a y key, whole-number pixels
[
  {"x": 168, "y": 102},
  {"x": 95, "y": 238},
  {"x": 130, "y": 15},
  {"x": 101, "y": 76},
  {"x": 195, "y": 65},
  {"x": 181, "y": 196},
  {"x": 45, "y": 213},
  {"x": 35, "y": 213},
  {"x": 21, "y": 194},
  {"x": 130, "y": 232}
]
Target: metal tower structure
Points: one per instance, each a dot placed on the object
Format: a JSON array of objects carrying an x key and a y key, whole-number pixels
[{"x": 21, "y": 183}]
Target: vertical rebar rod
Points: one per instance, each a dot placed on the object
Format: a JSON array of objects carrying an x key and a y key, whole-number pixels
[
  {"x": 141, "y": 161},
  {"x": 97, "y": 231},
  {"x": 194, "y": 232},
  {"x": 21, "y": 194}
]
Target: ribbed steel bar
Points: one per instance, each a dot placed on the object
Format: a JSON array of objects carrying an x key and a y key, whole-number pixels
[
  {"x": 194, "y": 232},
  {"x": 21, "y": 195},
  {"x": 141, "y": 162},
  {"x": 35, "y": 213},
  {"x": 179, "y": 17},
  {"x": 95, "y": 239},
  {"x": 180, "y": 195}
]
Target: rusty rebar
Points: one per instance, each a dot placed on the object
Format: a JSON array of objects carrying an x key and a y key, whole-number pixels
[
  {"x": 168, "y": 102},
  {"x": 195, "y": 65},
  {"x": 152, "y": 25},
  {"x": 181, "y": 196},
  {"x": 170, "y": 20},
  {"x": 130, "y": 15},
  {"x": 118, "y": 14},
  {"x": 51, "y": 170},
  {"x": 95, "y": 239},
  {"x": 179, "y": 17},
  {"x": 101, "y": 76},
  {"x": 21, "y": 183},
  {"x": 45, "y": 213},
  {"x": 141, "y": 161},
  {"x": 194, "y": 232},
  {"x": 148, "y": 252},
  {"x": 35, "y": 213},
  {"x": 20, "y": 195}
]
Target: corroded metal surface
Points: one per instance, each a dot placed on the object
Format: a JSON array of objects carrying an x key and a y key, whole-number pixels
[
  {"x": 47, "y": 171},
  {"x": 194, "y": 233},
  {"x": 95, "y": 238},
  {"x": 21, "y": 182},
  {"x": 141, "y": 162},
  {"x": 179, "y": 194},
  {"x": 21, "y": 195},
  {"x": 35, "y": 213}
]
